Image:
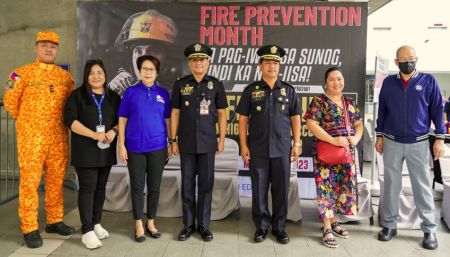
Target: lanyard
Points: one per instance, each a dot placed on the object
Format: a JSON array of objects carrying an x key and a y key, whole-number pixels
[{"x": 99, "y": 106}]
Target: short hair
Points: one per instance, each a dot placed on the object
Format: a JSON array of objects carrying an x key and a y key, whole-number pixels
[
  {"x": 330, "y": 70},
  {"x": 150, "y": 58}
]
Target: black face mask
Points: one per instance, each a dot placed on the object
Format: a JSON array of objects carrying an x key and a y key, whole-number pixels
[{"x": 407, "y": 67}]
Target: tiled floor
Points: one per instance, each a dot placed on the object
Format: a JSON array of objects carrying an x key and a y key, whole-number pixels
[{"x": 232, "y": 237}]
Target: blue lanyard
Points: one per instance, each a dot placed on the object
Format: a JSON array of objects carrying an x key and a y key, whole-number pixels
[{"x": 99, "y": 106}]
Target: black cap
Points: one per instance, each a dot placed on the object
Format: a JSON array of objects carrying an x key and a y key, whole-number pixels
[
  {"x": 197, "y": 50},
  {"x": 271, "y": 52}
]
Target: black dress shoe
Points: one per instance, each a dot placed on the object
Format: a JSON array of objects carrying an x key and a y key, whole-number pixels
[
  {"x": 154, "y": 234},
  {"x": 33, "y": 239},
  {"x": 282, "y": 236},
  {"x": 60, "y": 228},
  {"x": 386, "y": 234},
  {"x": 260, "y": 235},
  {"x": 205, "y": 233},
  {"x": 430, "y": 241},
  {"x": 186, "y": 233}
]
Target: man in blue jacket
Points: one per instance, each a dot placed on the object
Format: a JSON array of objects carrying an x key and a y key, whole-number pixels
[{"x": 408, "y": 102}]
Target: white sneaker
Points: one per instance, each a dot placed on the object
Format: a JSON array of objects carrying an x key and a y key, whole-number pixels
[
  {"x": 90, "y": 240},
  {"x": 100, "y": 232}
]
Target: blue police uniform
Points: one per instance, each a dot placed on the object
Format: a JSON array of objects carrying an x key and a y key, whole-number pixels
[
  {"x": 269, "y": 112},
  {"x": 197, "y": 142},
  {"x": 269, "y": 140}
]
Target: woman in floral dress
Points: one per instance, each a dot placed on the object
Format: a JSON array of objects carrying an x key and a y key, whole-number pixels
[{"x": 336, "y": 184}]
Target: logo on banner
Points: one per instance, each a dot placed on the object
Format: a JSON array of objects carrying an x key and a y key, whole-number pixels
[{"x": 145, "y": 27}]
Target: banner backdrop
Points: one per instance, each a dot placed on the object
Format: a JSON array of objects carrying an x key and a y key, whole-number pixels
[{"x": 316, "y": 36}]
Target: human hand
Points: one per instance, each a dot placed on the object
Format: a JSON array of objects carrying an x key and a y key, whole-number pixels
[
  {"x": 340, "y": 141},
  {"x": 295, "y": 152},
  {"x": 121, "y": 82},
  {"x": 175, "y": 150},
  {"x": 245, "y": 154},
  {"x": 379, "y": 145},
  {"x": 99, "y": 136},
  {"x": 109, "y": 137},
  {"x": 169, "y": 153},
  {"x": 123, "y": 154},
  {"x": 220, "y": 147},
  {"x": 353, "y": 141},
  {"x": 438, "y": 149}
]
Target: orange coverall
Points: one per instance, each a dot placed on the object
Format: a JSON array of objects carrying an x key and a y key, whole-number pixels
[{"x": 35, "y": 98}]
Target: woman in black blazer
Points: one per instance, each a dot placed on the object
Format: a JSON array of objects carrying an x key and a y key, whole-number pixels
[{"x": 91, "y": 115}]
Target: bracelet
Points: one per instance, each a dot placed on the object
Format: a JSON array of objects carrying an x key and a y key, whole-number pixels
[
  {"x": 115, "y": 130},
  {"x": 298, "y": 144},
  {"x": 172, "y": 140}
]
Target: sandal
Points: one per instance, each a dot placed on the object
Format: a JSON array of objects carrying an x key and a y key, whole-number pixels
[
  {"x": 330, "y": 241},
  {"x": 342, "y": 233}
]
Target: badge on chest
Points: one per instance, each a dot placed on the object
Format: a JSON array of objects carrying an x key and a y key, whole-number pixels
[
  {"x": 204, "y": 107},
  {"x": 258, "y": 95},
  {"x": 187, "y": 90}
]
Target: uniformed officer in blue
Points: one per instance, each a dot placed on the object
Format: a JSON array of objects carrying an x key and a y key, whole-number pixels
[
  {"x": 198, "y": 103},
  {"x": 269, "y": 110}
]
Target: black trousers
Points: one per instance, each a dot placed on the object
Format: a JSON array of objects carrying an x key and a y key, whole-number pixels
[
  {"x": 274, "y": 172},
  {"x": 191, "y": 166},
  {"x": 436, "y": 164},
  {"x": 91, "y": 195},
  {"x": 140, "y": 166}
]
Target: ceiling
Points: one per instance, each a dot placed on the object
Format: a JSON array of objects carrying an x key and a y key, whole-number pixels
[{"x": 376, "y": 4}]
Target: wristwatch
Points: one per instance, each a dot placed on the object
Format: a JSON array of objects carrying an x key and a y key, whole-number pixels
[
  {"x": 299, "y": 144},
  {"x": 115, "y": 130},
  {"x": 172, "y": 140}
]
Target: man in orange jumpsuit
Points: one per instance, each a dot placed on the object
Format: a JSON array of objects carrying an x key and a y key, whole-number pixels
[{"x": 35, "y": 97}]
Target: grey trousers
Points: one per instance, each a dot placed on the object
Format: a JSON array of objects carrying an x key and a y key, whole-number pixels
[{"x": 416, "y": 156}]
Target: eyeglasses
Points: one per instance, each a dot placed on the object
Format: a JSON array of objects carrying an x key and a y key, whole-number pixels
[
  {"x": 409, "y": 59},
  {"x": 145, "y": 69}
]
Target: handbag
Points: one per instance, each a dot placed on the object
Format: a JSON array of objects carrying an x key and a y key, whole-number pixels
[{"x": 332, "y": 155}]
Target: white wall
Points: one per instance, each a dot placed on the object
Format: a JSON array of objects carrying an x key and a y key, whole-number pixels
[{"x": 409, "y": 21}]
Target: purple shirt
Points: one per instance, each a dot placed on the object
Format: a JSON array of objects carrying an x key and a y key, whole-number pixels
[{"x": 146, "y": 109}]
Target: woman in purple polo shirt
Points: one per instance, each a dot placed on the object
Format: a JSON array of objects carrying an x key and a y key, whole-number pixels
[{"x": 143, "y": 130}]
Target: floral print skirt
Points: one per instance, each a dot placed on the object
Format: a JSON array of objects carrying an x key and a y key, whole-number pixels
[{"x": 336, "y": 188}]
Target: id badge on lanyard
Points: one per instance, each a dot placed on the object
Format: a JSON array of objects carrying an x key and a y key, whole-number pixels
[
  {"x": 204, "y": 107},
  {"x": 99, "y": 109},
  {"x": 100, "y": 127}
]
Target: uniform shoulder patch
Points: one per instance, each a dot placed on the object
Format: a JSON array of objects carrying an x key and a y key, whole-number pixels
[{"x": 12, "y": 79}]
